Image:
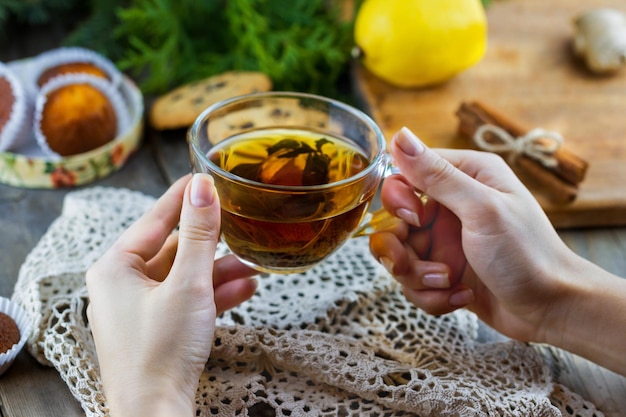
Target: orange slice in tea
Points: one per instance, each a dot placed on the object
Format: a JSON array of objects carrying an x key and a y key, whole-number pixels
[{"x": 281, "y": 171}]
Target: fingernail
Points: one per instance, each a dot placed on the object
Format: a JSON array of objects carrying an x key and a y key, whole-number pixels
[
  {"x": 408, "y": 216},
  {"x": 436, "y": 280},
  {"x": 202, "y": 191},
  {"x": 387, "y": 263},
  {"x": 409, "y": 143},
  {"x": 461, "y": 298}
]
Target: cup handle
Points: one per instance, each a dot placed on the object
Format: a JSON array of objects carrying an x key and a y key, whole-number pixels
[
  {"x": 381, "y": 220},
  {"x": 376, "y": 221}
]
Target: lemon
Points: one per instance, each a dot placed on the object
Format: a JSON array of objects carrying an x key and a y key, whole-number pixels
[{"x": 416, "y": 43}]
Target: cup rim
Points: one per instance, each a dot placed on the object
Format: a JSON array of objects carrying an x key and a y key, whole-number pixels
[{"x": 378, "y": 158}]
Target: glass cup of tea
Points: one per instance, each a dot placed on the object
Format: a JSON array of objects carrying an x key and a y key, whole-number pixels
[{"x": 295, "y": 174}]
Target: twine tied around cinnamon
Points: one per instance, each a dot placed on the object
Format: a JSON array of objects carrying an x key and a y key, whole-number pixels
[{"x": 538, "y": 144}]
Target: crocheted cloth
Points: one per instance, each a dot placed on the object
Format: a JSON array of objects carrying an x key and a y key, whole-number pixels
[{"x": 338, "y": 340}]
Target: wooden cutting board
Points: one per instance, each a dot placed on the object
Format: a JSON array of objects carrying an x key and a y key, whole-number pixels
[{"x": 531, "y": 75}]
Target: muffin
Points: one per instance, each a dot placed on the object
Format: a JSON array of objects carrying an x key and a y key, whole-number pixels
[
  {"x": 7, "y": 100},
  {"x": 76, "y": 113},
  {"x": 15, "y": 329},
  {"x": 9, "y": 333},
  {"x": 69, "y": 68},
  {"x": 14, "y": 111},
  {"x": 72, "y": 60}
]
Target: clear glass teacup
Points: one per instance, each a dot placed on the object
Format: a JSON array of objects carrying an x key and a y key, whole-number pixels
[{"x": 295, "y": 174}]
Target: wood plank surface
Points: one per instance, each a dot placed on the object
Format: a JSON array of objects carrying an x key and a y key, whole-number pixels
[
  {"x": 530, "y": 74},
  {"x": 31, "y": 389}
]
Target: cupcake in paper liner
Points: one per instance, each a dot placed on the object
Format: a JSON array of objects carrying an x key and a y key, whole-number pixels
[
  {"x": 15, "y": 330},
  {"x": 15, "y": 111},
  {"x": 76, "y": 113},
  {"x": 72, "y": 60}
]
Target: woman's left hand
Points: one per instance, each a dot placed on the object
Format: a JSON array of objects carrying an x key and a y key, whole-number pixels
[{"x": 154, "y": 297}]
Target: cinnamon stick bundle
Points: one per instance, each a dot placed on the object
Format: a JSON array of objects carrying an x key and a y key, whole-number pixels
[{"x": 561, "y": 180}]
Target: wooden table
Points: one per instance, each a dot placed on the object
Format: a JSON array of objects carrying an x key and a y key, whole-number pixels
[
  {"x": 531, "y": 75},
  {"x": 29, "y": 389}
]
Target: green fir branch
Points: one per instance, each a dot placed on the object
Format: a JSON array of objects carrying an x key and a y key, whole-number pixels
[{"x": 299, "y": 44}]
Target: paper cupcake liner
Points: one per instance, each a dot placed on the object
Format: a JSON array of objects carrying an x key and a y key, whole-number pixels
[
  {"x": 112, "y": 93},
  {"x": 18, "y": 128},
  {"x": 66, "y": 55},
  {"x": 18, "y": 314}
]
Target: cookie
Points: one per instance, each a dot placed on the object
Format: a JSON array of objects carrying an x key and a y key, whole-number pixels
[
  {"x": 180, "y": 107},
  {"x": 277, "y": 113}
]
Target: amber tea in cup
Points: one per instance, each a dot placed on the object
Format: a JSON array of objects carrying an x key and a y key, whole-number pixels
[{"x": 295, "y": 174}]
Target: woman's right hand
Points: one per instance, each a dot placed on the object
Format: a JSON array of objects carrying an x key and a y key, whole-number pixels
[{"x": 481, "y": 241}]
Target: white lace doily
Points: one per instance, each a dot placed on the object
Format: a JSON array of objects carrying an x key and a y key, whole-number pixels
[{"x": 339, "y": 340}]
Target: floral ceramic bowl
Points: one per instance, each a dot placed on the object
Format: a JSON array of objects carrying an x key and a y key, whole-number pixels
[{"x": 28, "y": 167}]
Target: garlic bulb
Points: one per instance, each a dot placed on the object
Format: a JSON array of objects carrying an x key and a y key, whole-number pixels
[{"x": 600, "y": 39}]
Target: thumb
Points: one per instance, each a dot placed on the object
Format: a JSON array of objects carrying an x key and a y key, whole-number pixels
[
  {"x": 199, "y": 230},
  {"x": 428, "y": 172}
]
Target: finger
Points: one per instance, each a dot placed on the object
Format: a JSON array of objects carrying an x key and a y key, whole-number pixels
[
  {"x": 436, "y": 176},
  {"x": 229, "y": 268},
  {"x": 424, "y": 275},
  {"x": 438, "y": 302},
  {"x": 225, "y": 269},
  {"x": 404, "y": 264},
  {"x": 397, "y": 256},
  {"x": 232, "y": 293},
  {"x": 420, "y": 241},
  {"x": 198, "y": 233},
  {"x": 431, "y": 210},
  {"x": 388, "y": 248},
  {"x": 486, "y": 167},
  {"x": 400, "y": 198},
  {"x": 146, "y": 236},
  {"x": 159, "y": 266},
  {"x": 447, "y": 244}
]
